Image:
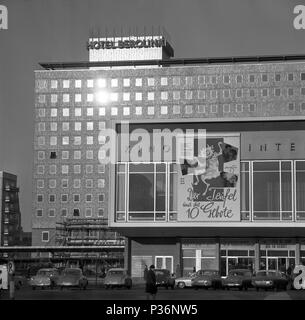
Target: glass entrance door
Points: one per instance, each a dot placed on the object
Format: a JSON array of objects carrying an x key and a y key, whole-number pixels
[
  {"x": 164, "y": 262},
  {"x": 272, "y": 263}
]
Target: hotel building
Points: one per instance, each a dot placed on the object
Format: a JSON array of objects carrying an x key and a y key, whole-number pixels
[{"x": 252, "y": 105}]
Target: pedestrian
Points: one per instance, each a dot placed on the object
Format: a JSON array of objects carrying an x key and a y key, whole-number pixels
[
  {"x": 151, "y": 283},
  {"x": 194, "y": 269},
  {"x": 145, "y": 272}
]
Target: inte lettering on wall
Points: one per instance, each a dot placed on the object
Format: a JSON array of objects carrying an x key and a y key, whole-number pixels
[{"x": 3, "y": 18}]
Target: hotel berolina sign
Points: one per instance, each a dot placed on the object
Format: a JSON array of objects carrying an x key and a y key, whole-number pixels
[
  {"x": 126, "y": 44},
  {"x": 208, "y": 183}
]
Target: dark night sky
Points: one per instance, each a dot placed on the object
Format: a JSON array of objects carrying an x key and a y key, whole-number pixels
[{"x": 57, "y": 30}]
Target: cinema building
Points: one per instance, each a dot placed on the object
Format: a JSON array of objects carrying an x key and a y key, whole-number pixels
[{"x": 174, "y": 214}]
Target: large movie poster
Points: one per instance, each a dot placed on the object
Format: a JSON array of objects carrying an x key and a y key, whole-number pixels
[{"x": 208, "y": 182}]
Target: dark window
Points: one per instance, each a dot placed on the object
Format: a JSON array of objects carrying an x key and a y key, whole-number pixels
[
  {"x": 76, "y": 212},
  {"x": 53, "y": 155},
  {"x": 302, "y": 76}
]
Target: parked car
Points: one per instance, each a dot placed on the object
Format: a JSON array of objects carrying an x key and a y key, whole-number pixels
[
  {"x": 186, "y": 281},
  {"x": 270, "y": 279},
  {"x": 164, "y": 278},
  {"x": 238, "y": 278},
  {"x": 44, "y": 278},
  {"x": 117, "y": 277},
  {"x": 72, "y": 277},
  {"x": 207, "y": 279}
]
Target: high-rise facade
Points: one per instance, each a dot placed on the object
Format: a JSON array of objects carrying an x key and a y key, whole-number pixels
[{"x": 244, "y": 207}]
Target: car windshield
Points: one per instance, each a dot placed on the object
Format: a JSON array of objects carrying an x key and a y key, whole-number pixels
[
  {"x": 45, "y": 272},
  {"x": 159, "y": 272},
  {"x": 71, "y": 272},
  {"x": 116, "y": 272},
  {"x": 266, "y": 273},
  {"x": 236, "y": 273},
  {"x": 210, "y": 273}
]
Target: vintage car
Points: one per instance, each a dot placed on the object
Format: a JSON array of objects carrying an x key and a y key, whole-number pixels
[
  {"x": 238, "y": 278},
  {"x": 44, "y": 278},
  {"x": 164, "y": 278},
  {"x": 270, "y": 279},
  {"x": 186, "y": 281},
  {"x": 72, "y": 277},
  {"x": 207, "y": 279},
  {"x": 117, "y": 277}
]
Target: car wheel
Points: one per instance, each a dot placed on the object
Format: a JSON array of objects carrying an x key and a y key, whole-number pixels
[{"x": 181, "y": 285}]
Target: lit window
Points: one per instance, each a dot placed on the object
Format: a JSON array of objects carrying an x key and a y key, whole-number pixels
[
  {"x": 163, "y": 81},
  {"x": 138, "y": 96},
  {"x": 89, "y": 83},
  {"x": 188, "y": 109},
  {"x": 101, "y": 183},
  {"x": 114, "y": 83},
  {"x": 66, "y": 97},
  {"x": 101, "y": 168},
  {"x": 53, "y": 98},
  {"x": 114, "y": 96},
  {"x": 65, "y": 141},
  {"x": 77, "y": 126},
  {"x": 126, "y": 96},
  {"x": 126, "y": 82},
  {"x": 66, "y": 84},
  {"x": 114, "y": 111},
  {"x": 90, "y": 140},
  {"x": 102, "y": 97},
  {"x": 53, "y": 112},
  {"x": 126, "y": 111},
  {"x": 53, "y": 126},
  {"x": 102, "y": 111},
  {"x": 89, "y": 126},
  {"x": 65, "y": 112},
  {"x": 65, "y": 126},
  {"x": 78, "y": 112},
  {"x": 89, "y": 112},
  {"x": 65, "y": 169},
  {"x": 89, "y": 97},
  {"x": 101, "y": 139},
  {"x": 45, "y": 236},
  {"x": 150, "y": 82},
  {"x": 53, "y": 141},
  {"x": 42, "y": 98},
  {"x": 151, "y": 111},
  {"x": 163, "y": 109},
  {"x": 150, "y": 96},
  {"x": 78, "y": 83},
  {"x": 101, "y": 83},
  {"x": 138, "y": 82},
  {"x": 54, "y": 84},
  {"x": 138, "y": 111},
  {"x": 78, "y": 97},
  {"x": 164, "y": 95}
]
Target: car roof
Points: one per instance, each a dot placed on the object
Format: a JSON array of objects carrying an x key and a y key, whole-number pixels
[
  {"x": 117, "y": 269},
  {"x": 47, "y": 269}
]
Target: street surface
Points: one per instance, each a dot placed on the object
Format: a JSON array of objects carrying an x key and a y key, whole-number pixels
[{"x": 137, "y": 293}]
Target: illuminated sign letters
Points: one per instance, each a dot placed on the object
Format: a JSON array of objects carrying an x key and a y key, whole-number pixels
[{"x": 299, "y": 20}]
